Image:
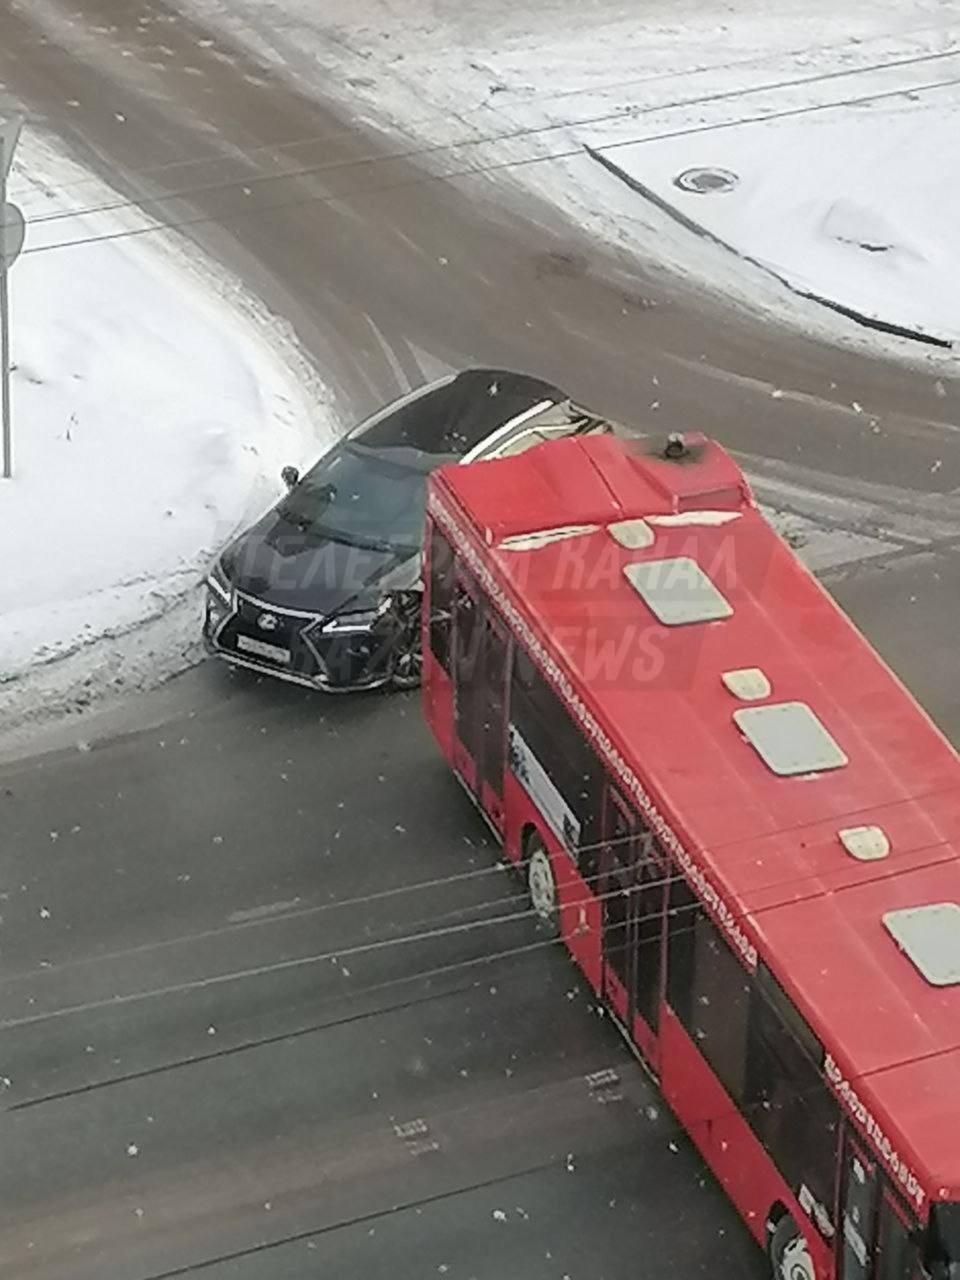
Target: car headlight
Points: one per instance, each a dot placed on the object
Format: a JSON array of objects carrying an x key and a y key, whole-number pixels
[
  {"x": 357, "y": 620},
  {"x": 217, "y": 613},
  {"x": 219, "y": 584}
]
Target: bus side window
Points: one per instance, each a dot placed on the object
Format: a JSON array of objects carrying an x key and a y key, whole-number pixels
[
  {"x": 789, "y": 1105},
  {"x": 442, "y": 567},
  {"x": 896, "y": 1254},
  {"x": 683, "y": 907},
  {"x": 709, "y": 990},
  {"x": 525, "y": 673},
  {"x": 566, "y": 757}
]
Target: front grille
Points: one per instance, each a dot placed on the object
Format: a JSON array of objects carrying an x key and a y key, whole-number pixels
[
  {"x": 336, "y": 660},
  {"x": 285, "y": 636},
  {"x": 351, "y": 658}
]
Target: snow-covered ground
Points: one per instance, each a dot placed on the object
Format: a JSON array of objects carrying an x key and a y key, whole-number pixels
[
  {"x": 859, "y": 208},
  {"x": 153, "y": 406},
  {"x": 154, "y": 402},
  {"x": 839, "y": 121}
]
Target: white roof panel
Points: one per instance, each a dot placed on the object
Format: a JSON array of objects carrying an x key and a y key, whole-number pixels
[
  {"x": 866, "y": 844},
  {"x": 789, "y": 738},
  {"x": 635, "y": 535},
  {"x": 749, "y": 684},
  {"x": 677, "y": 591},
  {"x": 930, "y": 937},
  {"x": 544, "y": 537}
]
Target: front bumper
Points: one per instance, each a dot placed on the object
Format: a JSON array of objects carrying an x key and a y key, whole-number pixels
[{"x": 291, "y": 645}]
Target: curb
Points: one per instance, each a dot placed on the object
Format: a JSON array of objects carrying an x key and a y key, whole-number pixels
[{"x": 689, "y": 224}]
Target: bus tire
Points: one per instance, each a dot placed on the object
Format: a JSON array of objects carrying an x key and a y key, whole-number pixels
[
  {"x": 541, "y": 885},
  {"x": 789, "y": 1257}
]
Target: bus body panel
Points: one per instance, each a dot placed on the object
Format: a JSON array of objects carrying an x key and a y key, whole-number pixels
[
  {"x": 725, "y": 1140},
  {"x": 726, "y": 827},
  {"x": 438, "y": 707},
  {"x": 579, "y": 912}
]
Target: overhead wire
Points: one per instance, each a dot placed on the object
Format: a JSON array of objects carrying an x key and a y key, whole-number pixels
[
  {"x": 504, "y": 953},
  {"x": 583, "y": 91},
  {"x": 348, "y": 196},
  {"x": 426, "y": 151},
  {"x": 502, "y": 865},
  {"x": 371, "y": 161},
  {"x": 263, "y": 921},
  {"x": 734, "y": 1108},
  {"x": 666, "y": 915},
  {"x": 351, "y": 950},
  {"x": 473, "y": 171}
]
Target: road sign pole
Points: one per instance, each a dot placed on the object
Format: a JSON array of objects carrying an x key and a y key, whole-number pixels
[
  {"x": 5, "y": 346},
  {"x": 11, "y": 240}
]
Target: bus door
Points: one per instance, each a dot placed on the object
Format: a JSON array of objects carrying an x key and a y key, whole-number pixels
[
  {"x": 859, "y": 1194},
  {"x": 632, "y": 887},
  {"x": 479, "y": 671}
]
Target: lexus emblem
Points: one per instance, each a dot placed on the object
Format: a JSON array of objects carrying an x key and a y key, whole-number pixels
[{"x": 267, "y": 622}]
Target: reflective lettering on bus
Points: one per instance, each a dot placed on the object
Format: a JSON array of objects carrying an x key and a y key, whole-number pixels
[{"x": 899, "y": 1169}]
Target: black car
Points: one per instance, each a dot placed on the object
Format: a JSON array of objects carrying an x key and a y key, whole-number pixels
[{"x": 325, "y": 589}]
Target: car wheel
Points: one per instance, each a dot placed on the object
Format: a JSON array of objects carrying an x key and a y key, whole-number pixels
[
  {"x": 789, "y": 1256},
  {"x": 408, "y": 668},
  {"x": 408, "y": 664}
]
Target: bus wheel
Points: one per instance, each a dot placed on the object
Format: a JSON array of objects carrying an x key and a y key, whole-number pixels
[
  {"x": 789, "y": 1257},
  {"x": 540, "y": 882}
]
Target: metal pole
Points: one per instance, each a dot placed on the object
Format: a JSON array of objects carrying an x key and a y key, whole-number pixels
[
  {"x": 5, "y": 344},
  {"x": 11, "y": 242}
]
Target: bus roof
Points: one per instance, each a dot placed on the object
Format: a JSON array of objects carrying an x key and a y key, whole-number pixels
[{"x": 772, "y": 749}]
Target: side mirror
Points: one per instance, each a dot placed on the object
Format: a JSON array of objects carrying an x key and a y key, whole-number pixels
[{"x": 290, "y": 477}]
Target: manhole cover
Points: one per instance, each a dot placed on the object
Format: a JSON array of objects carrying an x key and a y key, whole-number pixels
[{"x": 705, "y": 182}]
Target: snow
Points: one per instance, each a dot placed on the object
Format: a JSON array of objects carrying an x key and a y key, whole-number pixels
[
  {"x": 861, "y": 211},
  {"x": 154, "y": 402},
  {"x": 837, "y": 120},
  {"x": 153, "y": 406}
]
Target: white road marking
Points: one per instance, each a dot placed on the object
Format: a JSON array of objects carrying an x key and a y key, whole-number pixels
[
  {"x": 258, "y": 913},
  {"x": 432, "y": 366},
  {"x": 831, "y": 521},
  {"x": 820, "y": 547},
  {"x": 403, "y": 380}
]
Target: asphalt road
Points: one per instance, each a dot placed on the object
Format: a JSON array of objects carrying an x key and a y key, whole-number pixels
[
  {"x": 265, "y": 1012},
  {"x": 261, "y": 1012}
]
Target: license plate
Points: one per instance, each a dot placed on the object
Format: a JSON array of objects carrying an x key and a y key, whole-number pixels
[{"x": 262, "y": 650}]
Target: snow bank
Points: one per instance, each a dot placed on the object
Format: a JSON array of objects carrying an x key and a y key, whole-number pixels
[
  {"x": 859, "y": 210},
  {"x": 523, "y": 88},
  {"x": 153, "y": 408}
]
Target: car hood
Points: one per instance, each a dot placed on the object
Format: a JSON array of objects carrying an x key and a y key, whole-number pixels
[{"x": 292, "y": 568}]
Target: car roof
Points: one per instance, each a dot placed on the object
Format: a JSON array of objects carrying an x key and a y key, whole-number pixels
[{"x": 455, "y": 414}]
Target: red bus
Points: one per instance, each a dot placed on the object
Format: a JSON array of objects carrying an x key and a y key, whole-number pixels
[{"x": 743, "y": 827}]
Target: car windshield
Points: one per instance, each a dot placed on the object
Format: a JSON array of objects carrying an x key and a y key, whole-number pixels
[{"x": 364, "y": 497}]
